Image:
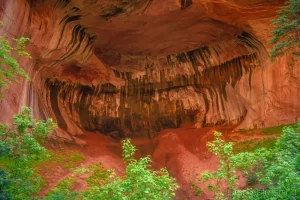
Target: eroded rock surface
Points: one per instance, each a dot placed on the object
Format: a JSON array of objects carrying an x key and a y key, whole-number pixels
[{"x": 139, "y": 66}]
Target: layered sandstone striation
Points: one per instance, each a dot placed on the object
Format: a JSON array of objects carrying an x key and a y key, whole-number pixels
[{"x": 136, "y": 67}]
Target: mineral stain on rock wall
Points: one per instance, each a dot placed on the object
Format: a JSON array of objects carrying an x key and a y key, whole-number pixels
[
  {"x": 142, "y": 106},
  {"x": 136, "y": 67}
]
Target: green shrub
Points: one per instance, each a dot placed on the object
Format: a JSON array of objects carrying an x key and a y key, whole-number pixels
[
  {"x": 10, "y": 71},
  {"x": 4, "y": 185},
  {"x": 277, "y": 169},
  {"x": 63, "y": 191},
  {"x": 22, "y": 142},
  {"x": 251, "y": 178},
  {"x": 198, "y": 192},
  {"x": 226, "y": 172},
  {"x": 286, "y": 36}
]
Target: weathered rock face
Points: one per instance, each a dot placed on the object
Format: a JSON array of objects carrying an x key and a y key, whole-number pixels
[{"x": 138, "y": 66}]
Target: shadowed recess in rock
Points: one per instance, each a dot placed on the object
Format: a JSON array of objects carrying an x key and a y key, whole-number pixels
[
  {"x": 186, "y": 3},
  {"x": 144, "y": 107}
]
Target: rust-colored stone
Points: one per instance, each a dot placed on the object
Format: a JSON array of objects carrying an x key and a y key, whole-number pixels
[{"x": 142, "y": 66}]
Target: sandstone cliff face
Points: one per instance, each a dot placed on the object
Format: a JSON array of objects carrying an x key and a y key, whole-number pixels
[{"x": 136, "y": 67}]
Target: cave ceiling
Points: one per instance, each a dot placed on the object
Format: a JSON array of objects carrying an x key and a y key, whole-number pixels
[{"x": 126, "y": 34}]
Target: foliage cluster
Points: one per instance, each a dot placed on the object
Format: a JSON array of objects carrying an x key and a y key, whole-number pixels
[
  {"x": 226, "y": 173},
  {"x": 63, "y": 191},
  {"x": 10, "y": 71},
  {"x": 286, "y": 36},
  {"x": 21, "y": 148},
  {"x": 277, "y": 169}
]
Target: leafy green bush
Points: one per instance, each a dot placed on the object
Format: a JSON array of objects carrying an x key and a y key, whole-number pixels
[
  {"x": 9, "y": 66},
  {"x": 286, "y": 36},
  {"x": 251, "y": 177},
  {"x": 198, "y": 192},
  {"x": 23, "y": 150},
  {"x": 63, "y": 191},
  {"x": 226, "y": 172},
  {"x": 4, "y": 185},
  {"x": 277, "y": 169}
]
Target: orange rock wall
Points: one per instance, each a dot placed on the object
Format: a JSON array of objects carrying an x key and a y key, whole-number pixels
[{"x": 142, "y": 66}]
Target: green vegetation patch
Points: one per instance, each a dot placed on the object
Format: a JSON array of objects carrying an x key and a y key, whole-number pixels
[
  {"x": 67, "y": 160},
  {"x": 247, "y": 131},
  {"x": 275, "y": 129},
  {"x": 286, "y": 34},
  {"x": 62, "y": 191},
  {"x": 275, "y": 168},
  {"x": 253, "y": 144}
]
